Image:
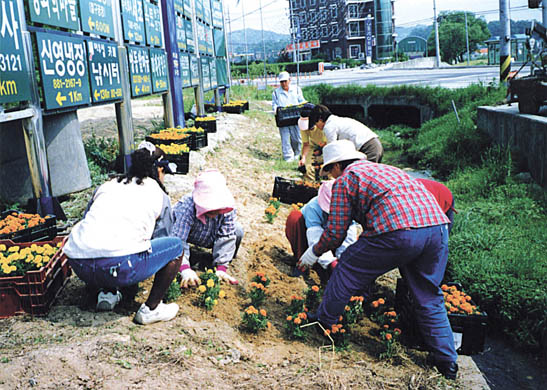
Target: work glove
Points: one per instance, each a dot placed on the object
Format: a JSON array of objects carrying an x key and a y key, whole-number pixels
[
  {"x": 189, "y": 278},
  {"x": 308, "y": 259},
  {"x": 222, "y": 275}
]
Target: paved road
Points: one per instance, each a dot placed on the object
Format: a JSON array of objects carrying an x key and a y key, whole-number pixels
[{"x": 456, "y": 77}]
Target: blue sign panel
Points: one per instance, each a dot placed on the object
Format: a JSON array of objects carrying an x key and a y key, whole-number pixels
[
  {"x": 368, "y": 38},
  {"x": 96, "y": 16},
  {"x": 158, "y": 62},
  {"x": 104, "y": 71},
  {"x": 181, "y": 32},
  {"x": 60, "y": 13},
  {"x": 152, "y": 24},
  {"x": 133, "y": 20},
  {"x": 139, "y": 71}
]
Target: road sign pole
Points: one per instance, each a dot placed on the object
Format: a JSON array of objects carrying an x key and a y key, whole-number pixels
[
  {"x": 198, "y": 91},
  {"x": 124, "y": 113},
  {"x": 437, "y": 45},
  {"x": 173, "y": 100},
  {"x": 505, "y": 41},
  {"x": 35, "y": 143},
  {"x": 229, "y": 49}
]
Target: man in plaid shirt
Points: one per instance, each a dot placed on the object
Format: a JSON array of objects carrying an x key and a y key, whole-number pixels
[
  {"x": 207, "y": 218},
  {"x": 403, "y": 226}
]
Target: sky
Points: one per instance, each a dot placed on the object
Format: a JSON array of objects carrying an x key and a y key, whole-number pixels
[{"x": 407, "y": 12}]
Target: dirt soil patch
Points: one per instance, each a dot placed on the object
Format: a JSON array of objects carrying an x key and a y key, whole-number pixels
[{"x": 75, "y": 347}]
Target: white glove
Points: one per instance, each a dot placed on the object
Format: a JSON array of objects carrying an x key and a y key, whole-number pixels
[
  {"x": 308, "y": 259},
  {"x": 225, "y": 277},
  {"x": 189, "y": 278}
]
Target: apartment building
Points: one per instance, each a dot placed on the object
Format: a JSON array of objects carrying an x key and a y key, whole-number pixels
[{"x": 360, "y": 29}]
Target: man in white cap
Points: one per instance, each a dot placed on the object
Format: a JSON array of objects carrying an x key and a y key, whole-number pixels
[
  {"x": 207, "y": 218},
  {"x": 403, "y": 227},
  {"x": 288, "y": 95}
]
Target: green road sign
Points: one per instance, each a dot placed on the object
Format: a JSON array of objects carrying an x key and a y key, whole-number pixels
[
  {"x": 139, "y": 71},
  {"x": 190, "y": 45},
  {"x": 222, "y": 74},
  {"x": 152, "y": 24},
  {"x": 188, "y": 8},
  {"x": 194, "y": 70},
  {"x": 63, "y": 70},
  {"x": 216, "y": 8},
  {"x": 220, "y": 42},
  {"x": 181, "y": 32},
  {"x": 96, "y": 17},
  {"x": 209, "y": 40},
  {"x": 179, "y": 6},
  {"x": 207, "y": 12},
  {"x": 185, "y": 70},
  {"x": 133, "y": 20},
  {"x": 63, "y": 13},
  {"x": 14, "y": 85},
  {"x": 202, "y": 38},
  {"x": 104, "y": 71},
  {"x": 158, "y": 64},
  {"x": 199, "y": 9},
  {"x": 205, "y": 73},
  {"x": 213, "y": 68}
]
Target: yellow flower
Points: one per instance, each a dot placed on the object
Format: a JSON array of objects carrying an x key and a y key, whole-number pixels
[
  {"x": 202, "y": 288},
  {"x": 2, "y": 247},
  {"x": 221, "y": 294},
  {"x": 215, "y": 302},
  {"x": 210, "y": 283},
  {"x": 207, "y": 299},
  {"x": 14, "y": 248},
  {"x": 209, "y": 271}
]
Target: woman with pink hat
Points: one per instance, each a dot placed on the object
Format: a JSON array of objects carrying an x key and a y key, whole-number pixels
[
  {"x": 313, "y": 140},
  {"x": 304, "y": 228},
  {"x": 207, "y": 218}
]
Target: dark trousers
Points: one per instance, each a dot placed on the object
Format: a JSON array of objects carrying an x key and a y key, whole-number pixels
[
  {"x": 373, "y": 149},
  {"x": 421, "y": 256}
]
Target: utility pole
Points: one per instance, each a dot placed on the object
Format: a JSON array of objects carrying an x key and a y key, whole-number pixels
[
  {"x": 245, "y": 37},
  {"x": 467, "y": 37},
  {"x": 437, "y": 46},
  {"x": 292, "y": 31},
  {"x": 263, "y": 44},
  {"x": 505, "y": 41},
  {"x": 544, "y": 9}
]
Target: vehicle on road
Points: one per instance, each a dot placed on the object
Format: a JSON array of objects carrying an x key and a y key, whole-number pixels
[
  {"x": 531, "y": 91},
  {"x": 330, "y": 66}
]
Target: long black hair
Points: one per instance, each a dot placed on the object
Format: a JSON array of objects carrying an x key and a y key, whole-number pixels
[{"x": 143, "y": 165}]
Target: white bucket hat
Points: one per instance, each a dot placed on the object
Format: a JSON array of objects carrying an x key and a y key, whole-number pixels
[
  {"x": 338, "y": 151},
  {"x": 284, "y": 76}
]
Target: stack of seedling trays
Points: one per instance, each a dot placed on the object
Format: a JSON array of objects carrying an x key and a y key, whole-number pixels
[
  {"x": 468, "y": 323},
  {"x": 198, "y": 138},
  {"x": 30, "y": 227},
  {"x": 31, "y": 286},
  {"x": 291, "y": 191},
  {"x": 288, "y": 116},
  {"x": 207, "y": 123},
  {"x": 178, "y": 154}
]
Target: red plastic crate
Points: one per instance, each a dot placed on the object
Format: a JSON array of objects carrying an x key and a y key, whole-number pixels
[{"x": 34, "y": 292}]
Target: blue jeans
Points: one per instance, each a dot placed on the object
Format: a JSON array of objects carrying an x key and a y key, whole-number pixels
[
  {"x": 122, "y": 271},
  {"x": 421, "y": 255},
  {"x": 291, "y": 141}
]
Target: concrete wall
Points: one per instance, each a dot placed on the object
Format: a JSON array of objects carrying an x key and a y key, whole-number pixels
[{"x": 525, "y": 134}]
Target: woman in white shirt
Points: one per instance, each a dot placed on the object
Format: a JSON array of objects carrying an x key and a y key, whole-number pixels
[
  {"x": 123, "y": 238},
  {"x": 336, "y": 128}
]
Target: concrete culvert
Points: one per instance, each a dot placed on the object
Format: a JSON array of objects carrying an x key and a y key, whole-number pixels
[{"x": 383, "y": 115}]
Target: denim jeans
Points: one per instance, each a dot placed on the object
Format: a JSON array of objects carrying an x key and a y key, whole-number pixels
[
  {"x": 291, "y": 141},
  {"x": 421, "y": 255},
  {"x": 122, "y": 271}
]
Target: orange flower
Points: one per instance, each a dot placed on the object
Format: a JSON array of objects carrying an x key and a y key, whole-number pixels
[
  {"x": 260, "y": 274},
  {"x": 386, "y": 326},
  {"x": 381, "y": 301},
  {"x": 263, "y": 312},
  {"x": 297, "y": 321},
  {"x": 303, "y": 316},
  {"x": 388, "y": 336},
  {"x": 347, "y": 308},
  {"x": 327, "y": 332},
  {"x": 269, "y": 325},
  {"x": 340, "y": 318},
  {"x": 397, "y": 331},
  {"x": 315, "y": 288},
  {"x": 289, "y": 318},
  {"x": 375, "y": 304},
  {"x": 263, "y": 278},
  {"x": 342, "y": 331}
]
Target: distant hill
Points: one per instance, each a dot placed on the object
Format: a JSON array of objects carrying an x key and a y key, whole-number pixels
[
  {"x": 402, "y": 32},
  {"x": 273, "y": 41}
]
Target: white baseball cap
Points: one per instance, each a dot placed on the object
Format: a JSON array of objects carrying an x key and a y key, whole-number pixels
[{"x": 284, "y": 76}]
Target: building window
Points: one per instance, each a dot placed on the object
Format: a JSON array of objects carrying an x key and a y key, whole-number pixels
[
  {"x": 316, "y": 33},
  {"x": 294, "y": 4},
  {"x": 323, "y": 16},
  {"x": 333, "y": 11},
  {"x": 334, "y": 30},
  {"x": 322, "y": 2},
  {"x": 337, "y": 52},
  {"x": 312, "y": 16},
  {"x": 303, "y": 18},
  {"x": 352, "y": 11},
  {"x": 324, "y": 32},
  {"x": 302, "y": 3},
  {"x": 313, "y": 3},
  {"x": 354, "y": 51},
  {"x": 354, "y": 29}
]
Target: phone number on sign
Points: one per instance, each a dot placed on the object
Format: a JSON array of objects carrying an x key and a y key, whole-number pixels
[{"x": 67, "y": 83}]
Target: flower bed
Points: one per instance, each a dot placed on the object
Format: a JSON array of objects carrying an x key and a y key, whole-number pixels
[
  {"x": 23, "y": 227},
  {"x": 169, "y": 136},
  {"x": 31, "y": 276},
  {"x": 208, "y": 123}
]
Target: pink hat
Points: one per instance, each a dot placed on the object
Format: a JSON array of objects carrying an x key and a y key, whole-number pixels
[
  {"x": 325, "y": 192},
  {"x": 211, "y": 193}
]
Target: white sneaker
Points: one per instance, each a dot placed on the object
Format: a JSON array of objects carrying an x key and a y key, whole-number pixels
[
  {"x": 164, "y": 312},
  {"x": 108, "y": 301}
]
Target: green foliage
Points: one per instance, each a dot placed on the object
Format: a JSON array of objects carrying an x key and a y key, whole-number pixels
[
  {"x": 102, "y": 151},
  {"x": 250, "y": 92},
  {"x": 209, "y": 289},
  {"x": 254, "y": 320},
  {"x": 173, "y": 292},
  {"x": 313, "y": 298},
  {"x": 293, "y": 326}
]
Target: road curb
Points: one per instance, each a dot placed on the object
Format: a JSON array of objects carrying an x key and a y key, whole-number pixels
[{"x": 469, "y": 375}]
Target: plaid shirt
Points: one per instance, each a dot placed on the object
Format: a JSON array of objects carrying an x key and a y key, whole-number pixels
[
  {"x": 191, "y": 230},
  {"x": 382, "y": 199}
]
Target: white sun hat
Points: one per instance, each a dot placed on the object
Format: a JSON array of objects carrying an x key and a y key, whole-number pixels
[{"x": 338, "y": 151}]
